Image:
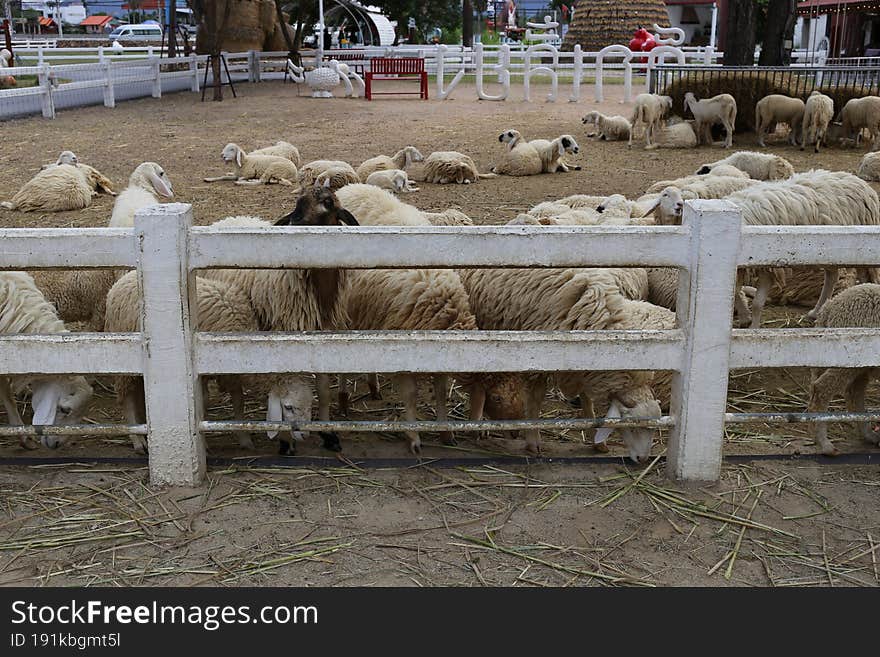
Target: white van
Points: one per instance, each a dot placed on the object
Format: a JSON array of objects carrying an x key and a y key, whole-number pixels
[{"x": 136, "y": 32}]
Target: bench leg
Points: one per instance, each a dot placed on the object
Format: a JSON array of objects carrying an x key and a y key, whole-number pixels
[{"x": 368, "y": 86}]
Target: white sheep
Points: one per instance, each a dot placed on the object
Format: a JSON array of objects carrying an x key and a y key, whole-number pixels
[
  {"x": 857, "y": 306},
  {"x": 281, "y": 149},
  {"x": 760, "y": 166},
  {"x": 65, "y": 157},
  {"x": 869, "y": 167},
  {"x": 222, "y": 307},
  {"x": 552, "y": 152},
  {"x": 650, "y": 110},
  {"x": 675, "y": 135},
  {"x": 445, "y": 167},
  {"x": 449, "y": 217},
  {"x": 147, "y": 183},
  {"x": 56, "y": 399},
  {"x": 610, "y": 128},
  {"x": 713, "y": 186},
  {"x": 402, "y": 159},
  {"x": 335, "y": 173},
  {"x": 709, "y": 111},
  {"x": 58, "y": 188},
  {"x": 394, "y": 180},
  {"x": 778, "y": 108},
  {"x": 520, "y": 158},
  {"x": 256, "y": 169},
  {"x": 818, "y": 114},
  {"x": 862, "y": 114}
]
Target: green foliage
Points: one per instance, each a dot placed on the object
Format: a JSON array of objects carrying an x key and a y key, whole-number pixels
[{"x": 445, "y": 14}]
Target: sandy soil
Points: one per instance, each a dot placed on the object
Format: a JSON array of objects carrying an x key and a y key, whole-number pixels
[{"x": 419, "y": 526}]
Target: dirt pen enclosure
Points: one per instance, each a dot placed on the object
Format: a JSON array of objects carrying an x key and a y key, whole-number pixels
[{"x": 782, "y": 521}]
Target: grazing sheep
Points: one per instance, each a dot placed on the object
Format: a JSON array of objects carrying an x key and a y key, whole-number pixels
[
  {"x": 760, "y": 166},
  {"x": 402, "y": 159},
  {"x": 445, "y": 167},
  {"x": 145, "y": 185},
  {"x": 281, "y": 149},
  {"x": 520, "y": 157},
  {"x": 862, "y": 114},
  {"x": 709, "y": 111},
  {"x": 56, "y": 399},
  {"x": 568, "y": 300},
  {"x": 857, "y": 307},
  {"x": 256, "y": 169},
  {"x": 818, "y": 113},
  {"x": 393, "y": 180},
  {"x": 650, "y": 110},
  {"x": 552, "y": 152},
  {"x": 222, "y": 307},
  {"x": 610, "y": 128},
  {"x": 778, "y": 108},
  {"x": 296, "y": 299},
  {"x": 58, "y": 188},
  {"x": 869, "y": 168},
  {"x": 338, "y": 173}
]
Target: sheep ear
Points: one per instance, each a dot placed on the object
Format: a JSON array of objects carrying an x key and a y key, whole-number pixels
[
  {"x": 603, "y": 433},
  {"x": 561, "y": 148},
  {"x": 653, "y": 207},
  {"x": 273, "y": 412},
  {"x": 238, "y": 157},
  {"x": 162, "y": 188},
  {"x": 346, "y": 217},
  {"x": 45, "y": 400}
]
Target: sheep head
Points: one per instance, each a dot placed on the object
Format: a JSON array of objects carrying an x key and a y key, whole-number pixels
[
  {"x": 232, "y": 153},
  {"x": 151, "y": 177},
  {"x": 667, "y": 207},
  {"x": 567, "y": 144},
  {"x": 637, "y": 440},
  {"x": 510, "y": 137},
  {"x": 317, "y": 206},
  {"x": 67, "y": 157},
  {"x": 60, "y": 401}
]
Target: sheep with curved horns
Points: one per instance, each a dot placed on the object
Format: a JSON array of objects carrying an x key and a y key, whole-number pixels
[
  {"x": 256, "y": 169},
  {"x": 709, "y": 111}
]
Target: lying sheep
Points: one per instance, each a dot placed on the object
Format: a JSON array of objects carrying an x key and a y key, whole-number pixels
[
  {"x": 58, "y": 188},
  {"x": 56, "y": 399},
  {"x": 146, "y": 184},
  {"x": 450, "y": 217},
  {"x": 675, "y": 135},
  {"x": 552, "y": 152},
  {"x": 281, "y": 149},
  {"x": 446, "y": 167},
  {"x": 760, "y": 166},
  {"x": 714, "y": 186},
  {"x": 778, "y": 108},
  {"x": 862, "y": 114},
  {"x": 256, "y": 169},
  {"x": 818, "y": 113},
  {"x": 66, "y": 157},
  {"x": 858, "y": 306},
  {"x": 393, "y": 180},
  {"x": 650, "y": 110},
  {"x": 520, "y": 157},
  {"x": 709, "y": 111},
  {"x": 610, "y": 128},
  {"x": 402, "y": 159},
  {"x": 333, "y": 174},
  {"x": 869, "y": 167},
  {"x": 222, "y": 307}
]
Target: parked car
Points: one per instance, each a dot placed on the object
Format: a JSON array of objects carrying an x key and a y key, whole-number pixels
[{"x": 136, "y": 32}]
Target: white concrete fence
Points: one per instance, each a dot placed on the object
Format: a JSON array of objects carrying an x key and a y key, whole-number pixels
[{"x": 167, "y": 250}]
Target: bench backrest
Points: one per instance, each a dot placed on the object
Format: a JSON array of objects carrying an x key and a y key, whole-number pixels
[{"x": 389, "y": 65}]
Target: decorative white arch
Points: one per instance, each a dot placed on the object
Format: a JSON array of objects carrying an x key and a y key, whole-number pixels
[
  {"x": 615, "y": 51},
  {"x": 529, "y": 71},
  {"x": 502, "y": 68}
]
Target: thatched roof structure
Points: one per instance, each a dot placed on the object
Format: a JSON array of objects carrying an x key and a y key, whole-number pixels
[{"x": 600, "y": 23}]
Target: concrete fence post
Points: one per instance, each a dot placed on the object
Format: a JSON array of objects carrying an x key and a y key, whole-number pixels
[
  {"x": 705, "y": 312},
  {"x": 157, "y": 77},
  {"x": 47, "y": 100},
  {"x": 109, "y": 91},
  {"x": 194, "y": 69},
  {"x": 171, "y": 387},
  {"x": 577, "y": 74}
]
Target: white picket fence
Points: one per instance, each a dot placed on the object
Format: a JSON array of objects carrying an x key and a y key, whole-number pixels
[
  {"x": 167, "y": 250},
  {"x": 57, "y": 76}
]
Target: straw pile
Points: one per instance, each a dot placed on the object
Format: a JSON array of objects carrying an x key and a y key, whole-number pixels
[{"x": 600, "y": 23}]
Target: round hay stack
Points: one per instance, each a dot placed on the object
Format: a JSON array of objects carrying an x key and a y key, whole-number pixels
[{"x": 600, "y": 23}]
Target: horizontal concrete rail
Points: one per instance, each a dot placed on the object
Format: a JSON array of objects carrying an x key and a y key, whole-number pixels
[{"x": 63, "y": 248}]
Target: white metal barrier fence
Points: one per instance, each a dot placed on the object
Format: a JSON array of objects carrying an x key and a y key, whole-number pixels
[{"x": 167, "y": 250}]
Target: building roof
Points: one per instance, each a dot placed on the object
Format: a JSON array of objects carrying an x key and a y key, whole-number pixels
[
  {"x": 46, "y": 22},
  {"x": 97, "y": 21}
]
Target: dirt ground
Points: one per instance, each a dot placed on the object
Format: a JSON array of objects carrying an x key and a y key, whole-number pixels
[{"x": 523, "y": 525}]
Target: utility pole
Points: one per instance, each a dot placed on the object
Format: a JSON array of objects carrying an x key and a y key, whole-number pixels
[{"x": 58, "y": 18}]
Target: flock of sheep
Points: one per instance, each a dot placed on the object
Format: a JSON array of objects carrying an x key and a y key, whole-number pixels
[{"x": 765, "y": 187}]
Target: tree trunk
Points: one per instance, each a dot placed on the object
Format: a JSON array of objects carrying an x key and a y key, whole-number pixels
[
  {"x": 283, "y": 28},
  {"x": 172, "y": 30},
  {"x": 778, "y": 29},
  {"x": 739, "y": 46},
  {"x": 467, "y": 24}
]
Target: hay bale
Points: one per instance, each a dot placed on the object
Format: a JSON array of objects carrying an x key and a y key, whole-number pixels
[{"x": 748, "y": 87}]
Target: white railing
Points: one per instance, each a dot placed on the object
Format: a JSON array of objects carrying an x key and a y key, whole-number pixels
[{"x": 167, "y": 250}]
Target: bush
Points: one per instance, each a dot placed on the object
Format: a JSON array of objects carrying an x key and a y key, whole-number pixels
[{"x": 748, "y": 87}]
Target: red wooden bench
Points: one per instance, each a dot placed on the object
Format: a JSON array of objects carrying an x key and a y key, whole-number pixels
[{"x": 399, "y": 68}]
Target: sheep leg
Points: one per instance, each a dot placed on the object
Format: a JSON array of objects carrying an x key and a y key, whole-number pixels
[
  {"x": 233, "y": 386},
  {"x": 588, "y": 410},
  {"x": 743, "y": 314},
  {"x": 534, "y": 397},
  {"x": 228, "y": 176},
  {"x": 136, "y": 413},
  {"x": 855, "y": 403},
  {"x": 323, "y": 381},
  {"x": 344, "y": 396},
  {"x": 765, "y": 280},
  {"x": 406, "y": 386},
  {"x": 12, "y": 413},
  {"x": 827, "y": 290},
  {"x": 728, "y": 127},
  {"x": 373, "y": 383},
  {"x": 441, "y": 394},
  {"x": 822, "y": 390},
  {"x": 249, "y": 183},
  {"x": 761, "y": 128}
]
